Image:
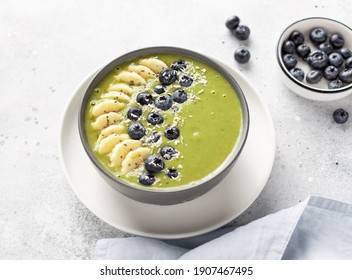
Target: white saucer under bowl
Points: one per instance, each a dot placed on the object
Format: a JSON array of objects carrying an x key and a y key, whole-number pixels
[{"x": 214, "y": 209}]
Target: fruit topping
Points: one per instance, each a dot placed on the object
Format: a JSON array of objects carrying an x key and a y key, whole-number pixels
[
  {"x": 147, "y": 179},
  {"x": 179, "y": 65},
  {"x": 154, "y": 164},
  {"x": 155, "y": 118},
  {"x": 167, "y": 76},
  {"x": 163, "y": 102},
  {"x": 134, "y": 113},
  {"x": 168, "y": 152},
  {"x": 172, "y": 173},
  {"x": 144, "y": 98},
  {"x": 172, "y": 132},
  {"x": 159, "y": 89},
  {"x": 179, "y": 96},
  {"x": 136, "y": 130},
  {"x": 186, "y": 80}
]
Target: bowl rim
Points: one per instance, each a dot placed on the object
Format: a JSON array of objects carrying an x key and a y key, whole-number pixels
[
  {"x": 107, "y": 68},
  {"x": 291, "y": 78}
]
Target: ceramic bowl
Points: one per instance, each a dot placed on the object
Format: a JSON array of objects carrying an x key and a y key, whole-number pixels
[
  {"x": 171, "y": 195},
  {"x": 319, "y": 91}
]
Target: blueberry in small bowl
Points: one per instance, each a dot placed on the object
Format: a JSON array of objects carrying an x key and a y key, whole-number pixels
[{"x": 314, "y": 58}]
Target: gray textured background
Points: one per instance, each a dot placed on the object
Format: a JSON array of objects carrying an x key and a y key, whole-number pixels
[{"x": 48, "y": 47}]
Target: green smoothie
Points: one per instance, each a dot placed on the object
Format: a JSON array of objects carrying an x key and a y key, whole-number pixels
[{"x": 207, "y": 116}]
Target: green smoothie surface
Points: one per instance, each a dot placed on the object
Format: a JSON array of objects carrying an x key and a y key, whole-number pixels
[{"x": 209, "y": 122}]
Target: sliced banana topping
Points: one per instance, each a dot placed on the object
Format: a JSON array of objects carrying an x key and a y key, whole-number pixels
[
  {"x": 156, "y": 65},
  {"x": 134, "y": 159},
  {"x": 115, "y": 128},
  {"x": 105, "y": 120},
  {"x": 106, "y": 106},
  {"x": 121, "y": 150},
  {"x": 107, "y": 144},
  {"x": 142, "y": 70},
  {"x": 126, "y": 89},
  {"x": 131, "y": 78},
  {"x": 119, "y": 96}
]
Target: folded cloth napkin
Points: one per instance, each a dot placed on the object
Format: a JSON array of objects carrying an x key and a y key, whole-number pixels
[{"x": 317, "y": 228}]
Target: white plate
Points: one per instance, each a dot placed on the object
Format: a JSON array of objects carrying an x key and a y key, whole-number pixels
[{"x": 214, "y": 209}]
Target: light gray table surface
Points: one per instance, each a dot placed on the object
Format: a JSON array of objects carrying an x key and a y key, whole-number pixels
[{"x": 48, "y": 47}]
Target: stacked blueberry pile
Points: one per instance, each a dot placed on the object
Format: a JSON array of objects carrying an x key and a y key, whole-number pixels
[{"x": 325, "y": 54}]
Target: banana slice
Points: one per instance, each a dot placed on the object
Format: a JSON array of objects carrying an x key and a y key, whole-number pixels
[
  {"x": 115, "y": 128},
  {"x": 121, "y": 88},
  {"x": 131, "y": 78},
  {"x": 105, "y": 120},
  {"x": 106, "y": 107},
  {"x": 119, "y": 96},
  {"x": 134, "y": 159},
  {"x": 156, "y": 65},
  {"x": 121, "y": 150},
  {"x": 142, "y": 70},
  {"x": 107, "y": 144}
]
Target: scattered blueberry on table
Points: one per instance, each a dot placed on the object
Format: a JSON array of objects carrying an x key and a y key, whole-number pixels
[{"x": 340, "y": 116}]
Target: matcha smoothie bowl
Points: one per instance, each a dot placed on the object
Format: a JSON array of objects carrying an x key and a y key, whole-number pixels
[{"x": 163, "y": 125}]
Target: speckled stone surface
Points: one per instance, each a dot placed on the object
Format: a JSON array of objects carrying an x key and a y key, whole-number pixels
[{"x": 48, "y": 47}]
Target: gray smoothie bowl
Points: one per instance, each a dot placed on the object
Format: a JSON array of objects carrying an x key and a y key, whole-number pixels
[{"x": 170, "y": 195}]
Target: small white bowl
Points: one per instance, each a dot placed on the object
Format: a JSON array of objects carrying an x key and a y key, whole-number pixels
[{"x": 319, "y": 91}]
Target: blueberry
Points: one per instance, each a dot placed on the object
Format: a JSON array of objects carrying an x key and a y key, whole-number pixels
[
  {"x": 336, "y": 59},
  {"x": 335, "y": 84},
  {"x": 346, "y": 75},
  {"x": 134, "y": 113},
  {"x": 297, "y": 73},
  {"x": 314, "y": 76},
  {"x": 154, "y": 164},
  {"x": 242, "y": 32},
  {"x": 346, "y": 53},
  {"x": 318, "y": 35},
  {"x": 186, "y": 80},
  {"x": 172, "y": 132},
  {"x": 330, "y": 73},
  {"x": 318, "y": 60},
  {"x": 179, "y": 65},
  {"x": 168, "y": 152},
  {"x": 340, "y": 116},
  {"x": 232, "y": 22},
  {"x": 179, "y": 96},
  {"x": 326, "y": 47},
  {"x": 242, "y": 55},
  {"x": 163, "y": 102},
  {"x": 159, "y": 89},
  {"x": 337, "y": 41},
  {"x": 297, "y": 37},
  {"x": 172, "y": 173},
  {"x": 348, "y": 62},
  {"x": 155, "y": 118},
  {"x": 144, "y": 98},
  {"x": 146, "y": 179},
  {"x": 290, "y": 61},
  {"x": 167, "y": 76},
  {"x": 303, "y": 50},
  {"x": 289, "y": 47},
  {"x": 136, "y": 130}
]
